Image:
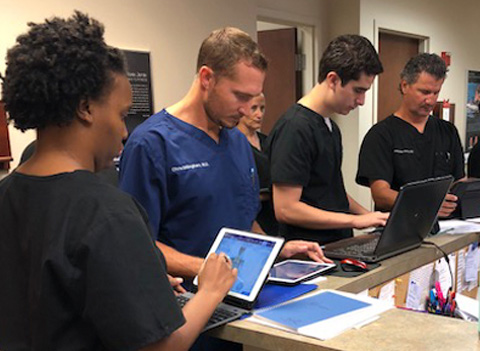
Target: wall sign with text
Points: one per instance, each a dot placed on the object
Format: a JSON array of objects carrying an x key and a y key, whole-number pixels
[{"x": 139, "y": 75}]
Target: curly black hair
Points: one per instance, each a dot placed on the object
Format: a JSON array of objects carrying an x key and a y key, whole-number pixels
[
  {"x": 54, "y": 66},
  {"x": 349, "y": 56}
]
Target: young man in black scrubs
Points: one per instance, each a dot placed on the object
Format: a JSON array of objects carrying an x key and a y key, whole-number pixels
[
  {"x": 305, "y": 148},
  {"x": 411, "y": 144},
  {"x": 78, "y": 265}
]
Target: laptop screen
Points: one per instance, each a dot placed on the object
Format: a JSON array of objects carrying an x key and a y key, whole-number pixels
[{"x": 252, "y": 254}]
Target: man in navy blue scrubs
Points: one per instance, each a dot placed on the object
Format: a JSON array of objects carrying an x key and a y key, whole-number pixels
[{"x": 190, "y": 168}]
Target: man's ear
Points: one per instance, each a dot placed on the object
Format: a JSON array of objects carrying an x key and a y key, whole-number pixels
[
  {"x": 333, "y": 80},
  {"x": 206, "y": 77},
  {"x": 84, "y": 111},
  {"x": 403, "y": 85}
]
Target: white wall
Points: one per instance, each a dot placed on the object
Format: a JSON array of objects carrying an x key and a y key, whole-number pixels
[{"x": 172, "y": 30}]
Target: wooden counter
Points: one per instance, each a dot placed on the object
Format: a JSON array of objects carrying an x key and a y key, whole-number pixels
[{"x": 394, "y": 330}]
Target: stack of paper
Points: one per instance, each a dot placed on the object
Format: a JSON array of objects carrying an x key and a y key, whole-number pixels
[
  {"x": 322, "y": 315},
  {"x": 456, "y": 226},
  {"x": 468, "y": 307}
]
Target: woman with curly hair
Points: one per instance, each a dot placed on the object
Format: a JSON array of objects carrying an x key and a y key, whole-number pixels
[{"x": 78, "y": 265}]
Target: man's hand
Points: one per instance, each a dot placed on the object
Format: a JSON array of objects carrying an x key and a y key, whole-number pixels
[
  {"x": 371, "y": 219},
  {"x": 176, "y": 282},
  {"x": 308, "y": 249},
  {"x": 448, "y": 205}
]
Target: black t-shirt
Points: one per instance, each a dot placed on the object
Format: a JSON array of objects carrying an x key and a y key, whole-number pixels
[
  {"x": 261, "y": 161},
  {"x": 266, "y": 216},
  {"x": 303, "y": 151},
  {"x": 393, "y": 150},
  {"x": 79, "y": 268}
]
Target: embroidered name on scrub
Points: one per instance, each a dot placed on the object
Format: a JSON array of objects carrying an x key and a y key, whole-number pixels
[
  {"x": 190, "y": 166},
  {"x": 402, "y": 151}
]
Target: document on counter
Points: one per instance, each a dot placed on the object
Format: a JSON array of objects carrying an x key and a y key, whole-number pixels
[
  {"x": 456, "y": 226},
  {"x": 418, "y": 286},
  {"x": 461, "y": 283},
  {"x": 472, "y": 261},
  {"x": 387, "y": 293},
  {"x": 467, "y": 305},
  {"x": 321, "y": 315}
]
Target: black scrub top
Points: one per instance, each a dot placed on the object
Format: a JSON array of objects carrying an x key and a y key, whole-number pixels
[
  {"x": 266, "y": 217},
  {"x": 303, "y": 151},
  {"x": 393, "y": 150}
]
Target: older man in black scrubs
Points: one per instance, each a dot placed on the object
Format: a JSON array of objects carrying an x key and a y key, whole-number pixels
[
  {"x": 411, "y": 144},
  {"x": 305, "y": 148}
]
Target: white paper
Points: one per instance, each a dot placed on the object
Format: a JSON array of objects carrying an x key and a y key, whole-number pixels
[
  {"x": 316, "y": 280},
  {"x": 446, "y": 114},
  {"x": 421, "y": 276},
  {"x": 467, "y": 304},
  {"x": 461, "y": 283},
  {"x": 363, "y": 293},
  {"x": 455, "y": 226},
  {"x": 366, "y": 322},
  {"x": 387, "y": 293},
  {"x": 414, "y": 295},
  {"x": 471, "y": 265}
]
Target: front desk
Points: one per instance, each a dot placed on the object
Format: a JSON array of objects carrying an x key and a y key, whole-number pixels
[{"x": 396, "y": 329}]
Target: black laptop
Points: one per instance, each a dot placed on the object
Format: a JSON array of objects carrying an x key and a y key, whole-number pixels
[
  {"x": 413, "y": 215},
  {"x": 253, "y": 255}
]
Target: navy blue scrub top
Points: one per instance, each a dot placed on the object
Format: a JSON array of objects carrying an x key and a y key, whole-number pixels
[{"x": 190, "y": 186}]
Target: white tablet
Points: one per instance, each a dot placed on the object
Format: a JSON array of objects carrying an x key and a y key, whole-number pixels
[
  {"x": 252, "y": 254},
  {"x": 295, "y": 271}
]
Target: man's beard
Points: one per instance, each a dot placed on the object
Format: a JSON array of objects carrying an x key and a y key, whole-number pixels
[{"x": 218, "y": 119}]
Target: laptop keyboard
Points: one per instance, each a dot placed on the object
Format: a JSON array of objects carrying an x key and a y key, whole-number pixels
[
  {"x": 359, "y": 249},
  {"x": 219, "y": 317}
]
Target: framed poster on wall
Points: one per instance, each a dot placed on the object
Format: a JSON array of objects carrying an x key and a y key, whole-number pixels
[
  {"x": 473, "y": 109},
  {"x": 139, "y": 75}
]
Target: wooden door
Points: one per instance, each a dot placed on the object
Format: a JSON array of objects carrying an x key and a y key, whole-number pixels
[
  {"x": 283, "y": 82},
  {"x": 5, "y": 153},
  {"x": 394, "y": 52}
]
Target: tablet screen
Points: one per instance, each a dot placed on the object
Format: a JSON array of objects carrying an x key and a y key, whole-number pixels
[
  {"x": 294, "y": 270},
  {"x": 249, "y": 256},
  {"x": 252, "y": 254}
]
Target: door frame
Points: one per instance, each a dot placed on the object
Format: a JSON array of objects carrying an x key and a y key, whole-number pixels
[
  {"x": 306, "y": 42},
  {"x": 368, "y": 115},
  {"x": 424, "y": 46}
]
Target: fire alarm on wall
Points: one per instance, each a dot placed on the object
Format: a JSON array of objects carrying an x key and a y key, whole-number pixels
[{"x": 446, "y": 56}]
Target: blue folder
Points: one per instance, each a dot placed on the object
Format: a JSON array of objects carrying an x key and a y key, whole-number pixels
[
  {"x": 274, "y": 294},
  {"x": 312, "y": 309}
]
